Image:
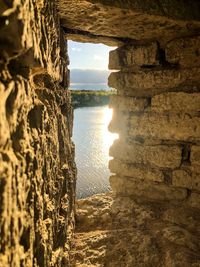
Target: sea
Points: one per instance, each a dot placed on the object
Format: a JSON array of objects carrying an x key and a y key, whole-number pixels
[
  {"x": 92, "y": 142},
  {"x": 89, "y": 86}
]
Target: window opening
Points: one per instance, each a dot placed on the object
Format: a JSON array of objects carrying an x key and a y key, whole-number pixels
[{"x": 90, "y": 94}]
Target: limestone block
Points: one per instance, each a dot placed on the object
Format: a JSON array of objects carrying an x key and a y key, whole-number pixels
[
  {"x": 176, "y": 102},
  {"x": 184, "y": 51},
  {"x": 142, "y": 173},
  {"x": 128, "y": 56},
  {"x": 195, "y": 157},
  {"x": 166, "y": 126},
  {"x": 161, "y": 156},
  {"x": 146, "y": 83},
  {"x": 81, "y": 37},
  {"x": 131, "y": 104},
  {"x": 127, "y": 186},
  {"x": 119, "y": 122},
  {"x": 194, "y": 200},
  {"x": 137, "y": 20},
  {"x": 186, "y": 178}
]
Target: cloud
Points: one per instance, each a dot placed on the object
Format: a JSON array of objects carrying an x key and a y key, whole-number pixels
[
  {"x": 97, "y": 57},
  {"x": 76, "y": 49}
]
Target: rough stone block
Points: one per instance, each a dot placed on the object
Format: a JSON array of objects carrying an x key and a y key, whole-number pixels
[
  {"x": 127, "y": 186},
  {"x": 134, "y": 19},
  {"x": 194, "y": 200},
  {"x": 161, "y": 156},
  {"x": 132, "y": 104},
  {"x": 176, "y": 102},
  {"x": 142, "y": 173},
  {"x": 145, "y": 83},
  {"x": 128, "y": 56},
  {"x": 181, "y": 127},
  {"x": 185, "y": 51},
  {"x": 186, "y": 178},
  {"x": 195, "y": 156},
  {"x": 119, "y": 122}
]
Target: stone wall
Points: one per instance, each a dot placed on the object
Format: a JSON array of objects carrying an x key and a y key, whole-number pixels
[
  {"x": 156, "y": 113},
  {"x": 37, "y": 171}
]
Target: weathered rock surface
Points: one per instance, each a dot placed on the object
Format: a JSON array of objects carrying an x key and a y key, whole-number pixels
[
  {"x": 184, "y": 52},
  {"x": 154, "y": 218},
  {"x": 181, "y": 127},
  {"x": 124, "y": 232},
  {"x": 156, "y": 113},
  {"x": 146, "y": 83},
  {"x": 176, "y": 102},
  {"x": 149, "y": 189},
  {"x": 129, "y": 56},
  {"x": 37, "y": 170},
  {"x": 160, "y": 156},
  {"x": 151, "y": 20}
]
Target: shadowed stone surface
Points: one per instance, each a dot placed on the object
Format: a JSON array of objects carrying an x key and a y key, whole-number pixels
[
  {"x": 37, "y": 169},
  {"x": 123, "y": 232},
  {"x": 153, "y": 220},
  {"x": 156, "y": 113},
  {"x": 156, "y": 20}
]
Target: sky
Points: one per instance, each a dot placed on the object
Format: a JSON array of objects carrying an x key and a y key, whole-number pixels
[{"x": 88, "y": 56}]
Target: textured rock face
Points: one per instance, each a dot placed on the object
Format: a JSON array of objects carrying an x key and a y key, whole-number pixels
[
  {"x": 37, "y": 172},
  {"x": 151, "y": 20},
  {"x": 123, "y": 232},
  {"x": 157, "y": 116},
  {"x": 156, "y": 113}
]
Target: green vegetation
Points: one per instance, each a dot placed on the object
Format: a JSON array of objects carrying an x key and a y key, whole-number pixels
[{"x": 90, "y": 98}]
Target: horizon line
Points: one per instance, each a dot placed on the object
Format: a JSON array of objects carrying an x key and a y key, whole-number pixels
[{"x": 89, "y": 69}]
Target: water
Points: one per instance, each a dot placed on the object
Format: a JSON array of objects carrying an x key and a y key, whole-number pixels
[
  {"x": 92, "y": 140},
  {"x": 89, "y": 86}
]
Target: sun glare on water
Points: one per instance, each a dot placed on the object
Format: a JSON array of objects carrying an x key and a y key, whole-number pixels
[
  {"x": 93, "y": 141},
  {"x": 108, "y": 137}
]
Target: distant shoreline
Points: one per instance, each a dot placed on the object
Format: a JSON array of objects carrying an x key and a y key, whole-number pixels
[
  {"x": 91, "y": 98},
  {"x": 89, "y": 86}
]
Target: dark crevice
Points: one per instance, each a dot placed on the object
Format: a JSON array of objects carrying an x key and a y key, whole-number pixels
[
  {"x": 25, "y": 239},
  {"x": 35, "y": 117},
  {"x": 185, "y": 157},
  {"x": 162, "y": 59},
  {"x": 18, "y": 70},
  {"x": 149, "y": 66},
  {"x": 2, "y": 190},
  {"x": 149, "y": 99},
  {"x": 167, "y": 177},
  {"x": 189, "y": 192},
  {"x": 138, "y": 139}
]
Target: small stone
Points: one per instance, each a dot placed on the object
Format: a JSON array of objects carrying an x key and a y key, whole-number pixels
[
  {"x": 184, "y": 51},
  {"x": 128, "y": 56}
]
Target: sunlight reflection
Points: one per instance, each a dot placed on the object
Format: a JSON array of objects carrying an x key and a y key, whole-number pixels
[
  {"x": 92, "y": 140},
  {"x": 108, "y": 137}
]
